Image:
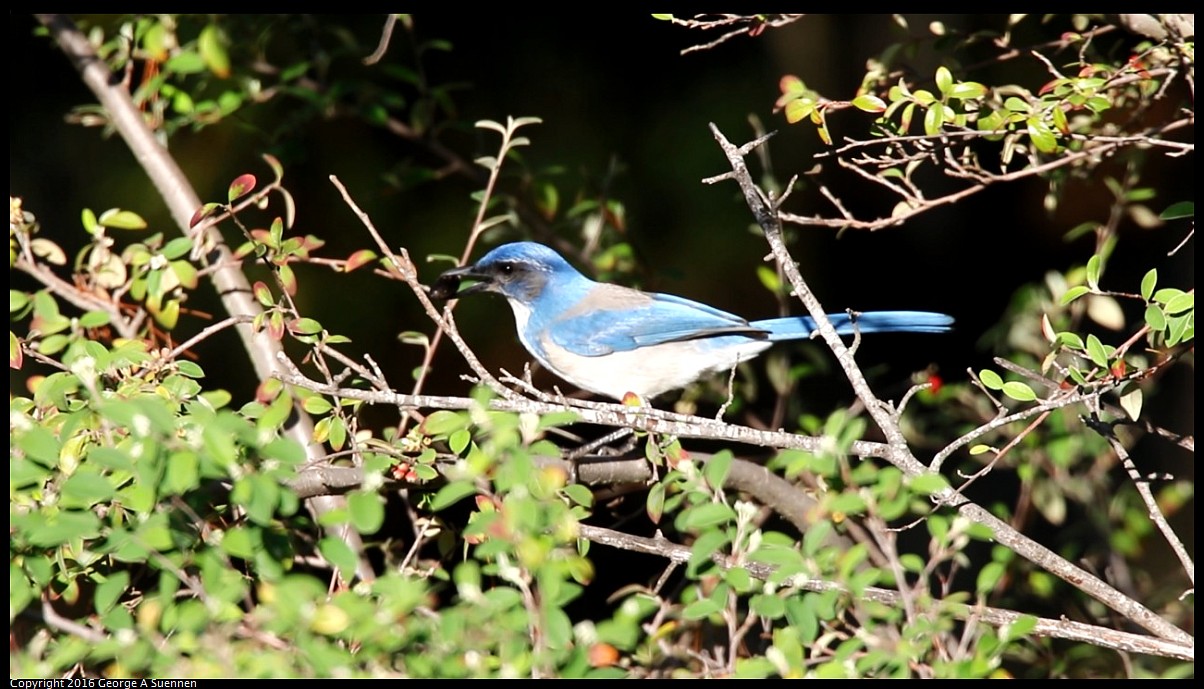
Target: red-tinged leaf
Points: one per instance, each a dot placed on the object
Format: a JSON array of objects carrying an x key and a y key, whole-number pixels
[
  {"x": 1060, "y": 121},
  {"x": 276, "y": 326},
  {"x": 211, "y": 45},
  {"x": 311, "y": 243},
  {"x": 277, "y": 168},
  {"x": 359, "y": 259},
  {"x": 869, "y": 103},
  {"x": 15, "y": 354},
  {"x": 268, "y": 390},
  {"x": 791, "y": 85},
  {"x": 304, "y": 326},
  {"x": 289, "y": 279},
  {"x": 240, "y": 187},
  {"x": 203, "y": 212},
  {"x": 1119, "y": 368},
  {"x": 1049, "y": 86},
  {"x": 262, "y": 294}
]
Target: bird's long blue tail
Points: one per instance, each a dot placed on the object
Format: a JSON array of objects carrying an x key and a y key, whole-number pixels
[{"x": 799, "y": 327}]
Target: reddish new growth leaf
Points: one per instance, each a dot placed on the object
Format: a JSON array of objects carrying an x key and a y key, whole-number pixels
[
  {"x": 1138, "y": 66},
  {"x": 262, "y": 294},
  {"x": 359, "y": 259},
  {"x": 1119, "y": 368},
  {"x": 240, "y": 186},
  {"x": 201, "y": 213}
]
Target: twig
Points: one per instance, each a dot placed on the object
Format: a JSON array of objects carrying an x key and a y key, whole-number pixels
[
  {"x": 1147, "y": 496},
  {"x": 901, "y": 456},
  {"x": 1062, "y": 629}
]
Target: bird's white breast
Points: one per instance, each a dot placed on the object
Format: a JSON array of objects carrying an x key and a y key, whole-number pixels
[{"x": 647, "y": 371}]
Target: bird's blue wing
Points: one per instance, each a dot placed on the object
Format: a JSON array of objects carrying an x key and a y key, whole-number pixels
[{"x": 611, "y": 320}]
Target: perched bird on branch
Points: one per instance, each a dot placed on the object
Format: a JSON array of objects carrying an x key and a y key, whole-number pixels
[{"x": 615, "y": 340}]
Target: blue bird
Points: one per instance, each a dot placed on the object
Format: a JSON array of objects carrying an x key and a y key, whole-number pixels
[{"x": 615, "y": 340}]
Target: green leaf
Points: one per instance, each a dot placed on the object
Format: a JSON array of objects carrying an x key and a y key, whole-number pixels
[
  {"x": 40, "y": 445},
  {"x": 109, "y": 591},
  {"x": 1018, "y": 391},
  {"x": 944, "y": 80},
  {"x": 316, "y": 405},
  {"x": 183, "y": 473},
  {"x": 1161, "y": 296},
  {"x": 799, "y": 109},
  {"x": 967, "y": 90},
  {"x": 707, "y": 514},
  {"x": 213, "y": 51},
  {"x": 989, "y": 576},
  {"x": 934, "y": 119},
  {"x": 1074, "y": 293},
  {"x": 1096, "y": 351},
  {"x": 1181, "y": 303},
  {"x": 85, "y": 489},
  {"x": 990, "y": 379},
  {"x": 1148, "y": 283},
  {"x": 701, "y": 609},
  {"x": 238, "y": 542},
  {"x": 185, "y": 62},
  {"x": 1094, "y": 265},
  {"x": 929, "y": 484},
  {"x": 122, "y": 220},
  {"x": 1042, "y": 136},
  {"x": 869, "y": 103},
  {"x": 443, "y": 422},
  {"x": 655, "y": 504},
  {"x": 1181, "y": 328},
  {"x": 451, "y": 494},
  {"x": 339, "y": 554},
  {"x": 1182, "y": 209},
  {"x": 458, "y": 440},
  {"x": 716, "y": 469},
  {"x": 1155, "y": 318},
  {"x": 367, "y": 511},
  {"x": 1022, "y": 627}
]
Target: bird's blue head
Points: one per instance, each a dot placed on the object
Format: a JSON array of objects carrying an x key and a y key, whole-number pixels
[{"x": 520, "y": 271}]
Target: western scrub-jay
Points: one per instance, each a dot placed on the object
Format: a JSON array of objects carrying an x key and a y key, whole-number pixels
[{"x": 613, "y": 340}]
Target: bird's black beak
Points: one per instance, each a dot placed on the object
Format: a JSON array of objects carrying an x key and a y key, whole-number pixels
[{"x": 448, "y": 284}]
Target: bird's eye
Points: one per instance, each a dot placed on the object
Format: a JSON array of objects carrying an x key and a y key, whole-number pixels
[{"x": 506, "y": 270}]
